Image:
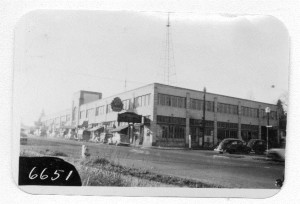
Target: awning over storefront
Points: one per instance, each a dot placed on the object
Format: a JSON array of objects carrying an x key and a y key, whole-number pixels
[
  {"x": 129, "y": 117},
  {"x": 118, "y": 129},
  {"x": 95, "y": 128}
]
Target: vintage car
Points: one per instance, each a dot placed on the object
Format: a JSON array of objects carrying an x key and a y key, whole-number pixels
[
  {"x": 120, "y": 139},
  {"x": 232, "y": 145},
  {"x": 257, "y": 146}
]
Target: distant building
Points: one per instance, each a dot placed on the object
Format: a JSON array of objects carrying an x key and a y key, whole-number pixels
[{"x": 170, "y": 114}]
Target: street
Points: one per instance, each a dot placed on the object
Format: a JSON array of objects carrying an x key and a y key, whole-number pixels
[{"x": 229, "y": 171}]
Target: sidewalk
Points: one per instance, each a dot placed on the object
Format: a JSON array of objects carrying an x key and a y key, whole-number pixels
[{"x": 165, "y": 148}]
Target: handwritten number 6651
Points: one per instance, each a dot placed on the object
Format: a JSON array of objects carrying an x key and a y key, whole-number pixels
[{"x": 44, "y": 176}]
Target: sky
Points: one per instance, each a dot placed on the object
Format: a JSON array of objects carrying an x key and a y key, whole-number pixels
[{"x": 60, "y": 52}]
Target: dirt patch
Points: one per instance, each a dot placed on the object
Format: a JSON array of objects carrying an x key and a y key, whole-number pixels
[{"x": 98, "y": 171}]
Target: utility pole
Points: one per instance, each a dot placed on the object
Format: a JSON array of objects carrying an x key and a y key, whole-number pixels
[{"x": 203, "y": 118}]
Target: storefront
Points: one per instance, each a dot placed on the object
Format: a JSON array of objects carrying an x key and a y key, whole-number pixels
[
  {"x": 134, "y": 126},
  {"x": 227, "y": 130}
]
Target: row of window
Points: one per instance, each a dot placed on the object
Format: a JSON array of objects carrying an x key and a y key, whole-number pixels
[
  {"x": 226, "y": 125},
  {"x": 272, "y": 114},
  {"x": 100, "y": 110},
  {"x": 196, "y": 104},
  {"x": 250, "y": 112},
  {"x": 226, "y": 133},
  {"x": 173, "y": 101},
  {"x": 198, "y": 122},
  {"x": 170, "y": 120},
  {"x": 173, "y": 131},
  {"x": 227, "y": 108}
]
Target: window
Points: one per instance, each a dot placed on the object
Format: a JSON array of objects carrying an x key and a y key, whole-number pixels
[
  {"x": 81, "y": 114},
  {"x": 263, "y": 113},
  {"x": 126, "y": 104},
  {"x": 142, "y": 101},
  {"x": 108, "y": 108},
  {"x": 165, "y": 131},
  {"x": 89, "y": 112},
  {"x": 174, "y": 101},
  {"x": 97, "y": 111}
]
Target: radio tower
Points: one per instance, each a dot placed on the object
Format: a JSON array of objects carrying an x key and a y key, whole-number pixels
[{"x": 169, "y": 67}]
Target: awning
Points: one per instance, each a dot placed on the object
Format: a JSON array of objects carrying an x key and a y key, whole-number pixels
[
  {"x": 129, "y": 117},
  {"x": 118, "y": 129},
  {"x": 95, "y": 128}
]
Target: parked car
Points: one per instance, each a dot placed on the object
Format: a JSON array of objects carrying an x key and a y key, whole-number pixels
[
  {"x": 23, "y": 137},
  {"x": 120, "y": 139},
  {"x": 232, "y": 145},
  {"x": 105, "y": 137},
  {"x": 257, "y": 146},
  {"x": 277, "y": 154}
]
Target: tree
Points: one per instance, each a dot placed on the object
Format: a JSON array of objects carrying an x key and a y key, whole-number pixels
[
  {"x": 39, "y": 123},
  {"x": 117, "y": 104},
  {"x": 282, "y": 115}
]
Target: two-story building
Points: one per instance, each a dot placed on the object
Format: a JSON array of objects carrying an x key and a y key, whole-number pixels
[{"x": 170, "y": 114}]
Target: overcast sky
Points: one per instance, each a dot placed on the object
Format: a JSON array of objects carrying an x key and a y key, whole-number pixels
[{"x": 58, "y": 53}]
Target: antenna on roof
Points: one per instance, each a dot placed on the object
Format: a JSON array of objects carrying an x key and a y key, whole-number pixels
[{"x": 169, "y": 67}]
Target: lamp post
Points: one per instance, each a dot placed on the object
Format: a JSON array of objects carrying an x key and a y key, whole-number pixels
[
  {"x": 203, "y": 119},
  {"x": 268, "y": 121}
]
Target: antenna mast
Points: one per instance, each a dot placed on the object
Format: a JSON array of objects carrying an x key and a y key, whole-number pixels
[{"x": 169, "y": 70}]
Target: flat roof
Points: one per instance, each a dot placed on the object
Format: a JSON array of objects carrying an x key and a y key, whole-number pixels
[
  {"x": 176, "y": 87},
  {"x": 213, "y": 93}
]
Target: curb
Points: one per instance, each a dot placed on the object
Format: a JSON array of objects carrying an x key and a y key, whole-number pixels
[{"x": 165, "y": 148}]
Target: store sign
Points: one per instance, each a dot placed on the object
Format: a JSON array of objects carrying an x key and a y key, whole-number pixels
[{"x": 117, "y": 104}]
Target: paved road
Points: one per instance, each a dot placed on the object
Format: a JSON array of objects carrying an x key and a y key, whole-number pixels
[{"x": 205, "y": 166}]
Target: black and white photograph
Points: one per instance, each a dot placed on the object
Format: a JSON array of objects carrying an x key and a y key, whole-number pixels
[{"x": 151, "y": 100}]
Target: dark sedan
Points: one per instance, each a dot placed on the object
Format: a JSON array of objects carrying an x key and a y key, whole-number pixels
[
  {"x": 257, "y": 146},
  {"x": 232, "y": 145}
]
